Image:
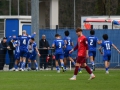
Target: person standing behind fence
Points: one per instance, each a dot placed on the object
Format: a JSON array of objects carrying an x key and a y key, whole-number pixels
[
  {"x": 4, "y": 47},
  {"x": 106, "y": 45},
  {"x": 44, "y": 44}
]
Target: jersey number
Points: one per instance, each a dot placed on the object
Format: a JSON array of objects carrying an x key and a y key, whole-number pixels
[
  {"x": 107, "y": 46},
  {"x": 91, "y": 41},
  {"x": 24, "y": 41},
  {"x": 59, "y": 44},
  {"x": 68, "y": 42}
]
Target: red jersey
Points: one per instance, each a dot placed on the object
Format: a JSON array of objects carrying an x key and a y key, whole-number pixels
[{"x": 82, "y": 46}]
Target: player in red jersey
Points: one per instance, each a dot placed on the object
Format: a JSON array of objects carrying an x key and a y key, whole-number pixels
[{"x": 82, "y": 54}]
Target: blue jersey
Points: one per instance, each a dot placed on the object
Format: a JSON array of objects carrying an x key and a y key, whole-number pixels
[
  {"x": 24, "y": 41},
  {"x": 69, "y": 41},
  {"x": 16, "y": 44},
  {"x": 92, "y": 41},
  {"x": 32, "y": 48},
  {"x": 106, "y": 47},
  {"x": 59, "y": 43}
]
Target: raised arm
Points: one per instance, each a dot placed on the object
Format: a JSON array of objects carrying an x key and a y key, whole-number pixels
[{"x": 115, "y": 48}]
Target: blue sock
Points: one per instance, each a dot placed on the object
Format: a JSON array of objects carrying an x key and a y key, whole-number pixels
[
  {"x": 106, "y": 69},
  {"x": 20, "y": 64},
  {"x": 15, "y": 66},
  {"x": 23, "y": 65},
  {"x": 65, "y": 67},
  {"x": 79, "y": 69},
  {"x": 29, "y": 65},
  {"x": 36, "y": 65},
  {"x": 73, "y": 63},
  {"x": 93, "y": 63},
  {"x": 57, "y": 67},
  {"x": 62, "y": 64}
]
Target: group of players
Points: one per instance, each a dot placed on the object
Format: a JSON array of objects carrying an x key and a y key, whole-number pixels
[
  {"x": 25, "y": 48},
  {"x": 86, "y": 48}
]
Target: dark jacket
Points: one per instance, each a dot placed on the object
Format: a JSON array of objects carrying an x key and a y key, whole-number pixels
[
  {"x": 10, "y": 44},
  {"x": 4, "y": 47},
  {"x": 42, "y": 44}
]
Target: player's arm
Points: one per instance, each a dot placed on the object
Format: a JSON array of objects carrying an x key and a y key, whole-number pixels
[
  {"x": 100, "y": 49},
  {"x": 86, "y": 44},
  {"x": 37, "y": 51},
  {"x": 72, "y": 44},
  {"x": 53, "y": 45},
  {"x": 99, "y": 41},
  {"x": 75, "y": 48},
  {"x": 115, "y": 48}
]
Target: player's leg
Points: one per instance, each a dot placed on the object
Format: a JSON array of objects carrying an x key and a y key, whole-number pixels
[
  {"x": 105, "y": 58},
  {"x": 65, "y": 62},
  {"x": 92, "y": 76},
  {"x": 92, "y": 58},
  {"x": 76, "y": 68},
  {"x": 56, "y": 63},
  {"x": 61, "y": 56},
  {"x": 29, "y": 64},
  {"x": 24, "y": 59},
  {"x": 36, "y": 65},
  {"x": 106, "y": 66}
]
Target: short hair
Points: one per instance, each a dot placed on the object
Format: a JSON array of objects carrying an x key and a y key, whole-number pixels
[
  {"x": 24, "y": 31},
  {"x": 105, "y": 36},
  {"x": 92, "y": 32},
  {"x": 78, "y": 29},
  {"x": 57, "y": 35},
  {"x": 32, "y": 39},
  {"x": 66, "y": 33}
]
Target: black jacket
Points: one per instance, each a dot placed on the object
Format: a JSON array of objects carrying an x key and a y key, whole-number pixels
[
  {"x": 3, "y": 47},
  {"x": 42, "y": 44},
  {"x": 10, "y": 44}
]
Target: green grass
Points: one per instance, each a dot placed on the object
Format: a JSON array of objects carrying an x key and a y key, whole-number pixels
[{"x": 50, "y": 80}]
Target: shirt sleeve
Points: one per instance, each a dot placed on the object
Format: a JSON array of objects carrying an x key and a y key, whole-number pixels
[
  {"x": 86, "y": 43},
  {"x": 76, "y": 47}
]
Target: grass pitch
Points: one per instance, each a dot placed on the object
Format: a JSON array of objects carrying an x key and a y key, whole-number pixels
[{"x": 50, "y": 80}]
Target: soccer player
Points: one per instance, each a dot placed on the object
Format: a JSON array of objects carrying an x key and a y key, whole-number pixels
[
  {"x": 16, "y": 44},
  {"x": 92, "y": 41},
  {"x": 58, "y": 44},
  {"x": 69, "y": 45},
  {"x": 23, "y": 48},
  {"x": 33, "y": 51},
  {"x": 106, "y": 45},
  {"x": 82, "y": 54}
]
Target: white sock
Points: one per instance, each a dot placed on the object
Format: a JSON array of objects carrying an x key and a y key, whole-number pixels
[
  {"x": 91, "y": 74},
  {"x": 74, "y": 76}
]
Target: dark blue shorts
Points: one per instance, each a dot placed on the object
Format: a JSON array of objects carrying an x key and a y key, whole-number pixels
[
  {"x": 23, "y": 53},
  {"x": 92, "y": 53},
  {"x": 67, "y": 54},
  {"x": 106, "y": 57},
  {"x": 17, "y": 56},
  {"x": 32, "y": 56},
  {"x": 59, "y": 56}
]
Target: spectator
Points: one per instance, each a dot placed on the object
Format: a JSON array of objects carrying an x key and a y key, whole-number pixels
[
  {"x": 3, "y": 51},
  {"x": 11, "y": 53},
  {"x": 43, "y": 43}
]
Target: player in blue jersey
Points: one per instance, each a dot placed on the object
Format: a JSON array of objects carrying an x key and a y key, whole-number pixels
[
  {"x": 16, "y": 44},
  {"x": 92, "y": 45},
  {"x": 23, "y": 48},
  {"x": 69, "y": 45},
  {"x": 58, "y": 44},
  {"x": 33, "y": 51},
  {"x": 106, "y": 45}
]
